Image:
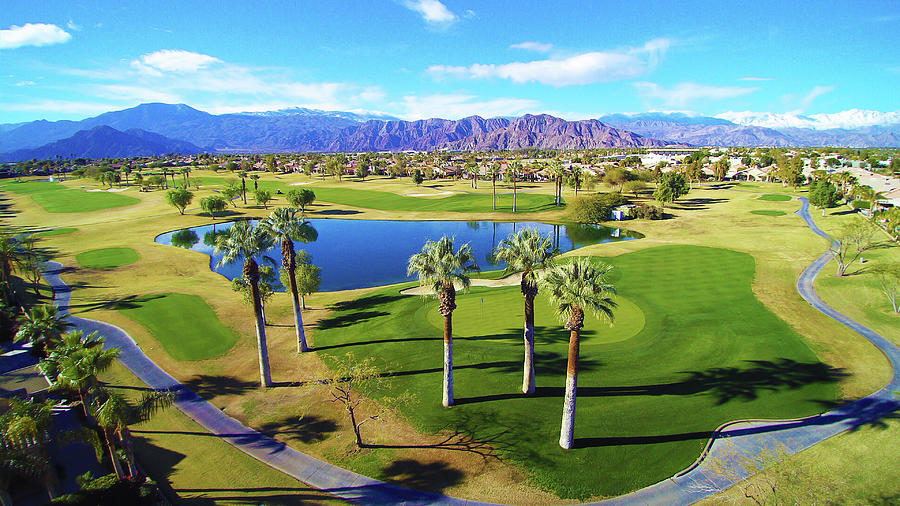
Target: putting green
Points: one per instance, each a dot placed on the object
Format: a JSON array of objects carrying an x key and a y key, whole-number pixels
[
  {"x": 107, "y": 258},
  {"x": 774, "y": 197},
  {"x": 708, "y": 352},
  {"x": 166, "y": 315},
  {"x": 768, "y": 212},
  {"x": 471, "y": 315}
]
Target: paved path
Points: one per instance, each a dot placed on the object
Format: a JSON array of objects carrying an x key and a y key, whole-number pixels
[
  {"x": 730, "y": 442},
  {"x": 747, "y": 438},
  {"x": 322, "y": 475}
]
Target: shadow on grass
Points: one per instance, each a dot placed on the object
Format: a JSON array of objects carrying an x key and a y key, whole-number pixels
[
  {"x": 116, "y": 303},
  {"x": 696, "y": 203},
  {"x": 308, "y": 429},
  {"x": 210, "y": 386},
  {"x": 593, "y": 442},
  {"x": 338, "y": 212},
  {"x": 252, "y": 495},
  {"x": 431, "y": 476}
]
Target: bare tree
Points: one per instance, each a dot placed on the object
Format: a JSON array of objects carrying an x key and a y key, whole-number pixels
[{"x": 855, "y": 238}]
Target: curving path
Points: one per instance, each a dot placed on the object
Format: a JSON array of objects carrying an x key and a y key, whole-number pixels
[
  {"x": 742, "y": 439},
  {"x": 729, "y": 443}
]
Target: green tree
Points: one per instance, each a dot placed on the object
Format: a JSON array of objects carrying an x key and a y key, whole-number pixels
[
  {"x": 245, "y": 241},
  {"x": 114, "y": 413},
  {"x": 574, "y": 288},
  {"x": 855, "y": 238},
  {"x": 243, "y": 175},
  {"x": 363, "y": 168},
  {"x": 301, "y": 198},
  {"x": 493, "y": 172},
  {"x": 440, "y": 268},
  {"x": 670, "y": 188},
  {"x": 271, "y": 163},
  {"x": 285, "y": 226},
  {"x": 418, "y": 177},
  {"x": 179, "y": 198},
  {"x": 823, "y": 194},
  {"x": 527, "y": 252},
  {"x": 635, "y": 187},
  {"x": 75, "y": 364},
  {"x": 231, "y": 191},
  {"x": 263, "y": 197},
  {"x": 43, "y": 327},
  {"x": 213, "y": 204}
]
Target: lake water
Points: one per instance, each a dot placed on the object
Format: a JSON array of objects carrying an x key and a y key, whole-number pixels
[{"x": 367, "y": 253}]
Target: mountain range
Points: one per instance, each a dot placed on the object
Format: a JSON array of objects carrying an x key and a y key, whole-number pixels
[
  {"x": 105, "y": 142},
  {"x": 300, "y": 130}
]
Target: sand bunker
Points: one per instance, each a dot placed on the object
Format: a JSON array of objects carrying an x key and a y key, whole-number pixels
[
  {"x": 114, "y": 190},
  {"x": 301, "y": 184},
  {"x": 511, "y": 280}
]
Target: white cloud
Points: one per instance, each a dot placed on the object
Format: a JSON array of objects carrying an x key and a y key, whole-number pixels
[
  {"x": 25, "y": 83},
  {"x": 455, "y": 106},
  {"x": 813, "y": 94},
  {"x": 750, "y": 78},
  {"x": 853, "y": 118},
  {"x": 73, "y": 26},
  {"x": 585, "y": 68},
  {"x": 32, "y": 34},
  {"x": 432, "y": 11},
  {"x": 539, "y": 47},
  {"x": 683, "y": 94},
  {"x": 173, "y": 60}
]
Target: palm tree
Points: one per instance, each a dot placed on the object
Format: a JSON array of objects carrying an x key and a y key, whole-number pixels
[
  {"x": 114, "y": 415},
  {"x": 528, "y": 252},
  {"x": 24, "y": 437},
  {"x": 494, "y": 173},
  {"x": 284, "y": 225},
  {"x": 439, "y": 268},
  {"x": 9, "y": 254},
  {"x": 575, "y": 287},
  {"x": 42, "y": 326},
  {"x": 76, "y": 364},
  {"x": 557, "y": 172},
  {"x": 245, "y": 241},
  {"x": 515, "y": 169}
]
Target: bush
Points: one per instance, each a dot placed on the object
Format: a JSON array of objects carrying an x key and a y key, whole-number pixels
[
  {"x": 595, "y": 208},
  {"x": 110, "y": 490},
  {"x": 861, "y": 204},
  {"x": 646, "y": 212}
]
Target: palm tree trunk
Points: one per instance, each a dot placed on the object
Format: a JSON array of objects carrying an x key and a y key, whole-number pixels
[
  {"x": 567, "y": 432},
  {"x": 251, "y": 270},
  {"x": 129, "y": 452},
  {"x": 448, "y": 360},
  {"x": 494, "y": 193},
  {"x": 514, "y": 193},
  {"x": 528, "y": 382},
  {"x": 287, "y": 246},
  {"x": 113, "y": 457}
]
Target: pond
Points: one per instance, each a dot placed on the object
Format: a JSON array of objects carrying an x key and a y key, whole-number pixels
[{"x": 366, "y": 253}]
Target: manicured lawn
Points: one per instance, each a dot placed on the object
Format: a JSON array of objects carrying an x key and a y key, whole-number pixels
[
  {"x": 107, "y": 258},
  {"x": 56, "y": 198},
  {"x": 693, "y": 349},
  {"x": 185, "y": 325},
  {"x": 56, "y": 231},
  {"x": 352, "y": 195},
  {"x": 775, "y": 198},
  {"x": 768, "y": 212}
]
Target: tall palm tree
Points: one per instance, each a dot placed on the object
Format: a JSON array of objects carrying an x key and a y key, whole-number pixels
[
  {"x": 286, "y": 226},
  {"x": 245, "y": 241},
  {"x": 494, "y": 173},
  {"x": 515, "y": 169},
  {"x": 115, "y": 413},
  {"x": 529, "y": 252},
  {"x": 42, "y": 327},
  {"x": 9, "y": 254},
  {"x": 557, "y": 172},
  {"x": 575, "y": 287},
  {"x": 440, "y": 268},
  {"x": 76, "y": 364}
]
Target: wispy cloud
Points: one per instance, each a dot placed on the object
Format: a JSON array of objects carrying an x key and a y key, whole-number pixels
[
  {"x": 539, "y": 47},
  {"x": 32, "y": 34},
  {"x": 813, "y": 94},
  {"x": 432, "y": 11},
  {"x": 683, "y": 94},
  {"x": 455, "y": 106},
  {"x": 25, "y": 83},
  {"x": 756, "y": 78},
  {"x": 585, "y": 68},
  {"x": 173, "y": 60},
  {"x": 73, "y": 26},
  {"x": 853, "y": 118}
]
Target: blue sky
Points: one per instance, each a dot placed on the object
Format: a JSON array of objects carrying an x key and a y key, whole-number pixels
[{"x": 774, "y": 63}]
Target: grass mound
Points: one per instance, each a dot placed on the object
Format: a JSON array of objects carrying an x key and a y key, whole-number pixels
[
  {"x": 774, "y": 197},
  {"x": 165, "y": 315},
  {"x": 768, "y": 212},
  {"x": 56, "y": 198},
  {"x": 650, "y": 392},
  {"x": 107, "y": 258}
]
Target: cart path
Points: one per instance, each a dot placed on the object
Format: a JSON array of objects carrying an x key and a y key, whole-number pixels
[{"x": 729, "y": 443}]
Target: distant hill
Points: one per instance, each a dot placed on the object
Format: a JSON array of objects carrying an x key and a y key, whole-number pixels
[{"x": 104, "y": 142}]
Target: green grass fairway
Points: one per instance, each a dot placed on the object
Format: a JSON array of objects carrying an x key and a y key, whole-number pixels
[
  {"x": 693, "y": 348},
  {"x": 775, "y": 198},
  {"x": 107, "y": 258},
  {"x": 352, "y": 195},
  {"x": 166, "y": 316},
  {"x": 56, "y": 231},
  {"x": 768, "y": 212},
  {"x": 56, "y": 198}
]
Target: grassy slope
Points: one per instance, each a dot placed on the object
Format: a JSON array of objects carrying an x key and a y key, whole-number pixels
[
  {"x": 165, "y": 315},
  {"x": 782, "y": 246},
  {"x": 107, "y": 258},
  {"x": 709, "y": 353}
]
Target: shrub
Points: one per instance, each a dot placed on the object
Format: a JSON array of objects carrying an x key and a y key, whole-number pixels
[
  {"x": 861, "y": 204},
  {"x": 646, "y": 212},
  {"x": 595, "y": 208},
  {"x": 110, "y": 490}
]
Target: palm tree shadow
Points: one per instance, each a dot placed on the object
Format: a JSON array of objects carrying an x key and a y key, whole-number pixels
[
  {"x": 212, "y": 386},
  {"x": 431, "y": 476},
  {"x": 306, "y": 429}
]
